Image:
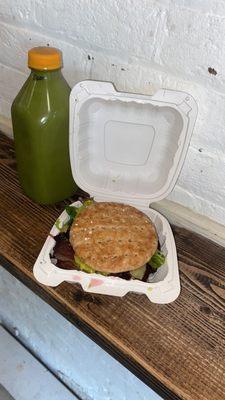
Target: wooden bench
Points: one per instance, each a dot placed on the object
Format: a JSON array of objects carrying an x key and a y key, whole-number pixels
[{"x": 177, "y": 349}]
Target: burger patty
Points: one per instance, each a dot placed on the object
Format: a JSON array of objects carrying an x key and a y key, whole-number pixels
[{"x": 112, "y": 237}]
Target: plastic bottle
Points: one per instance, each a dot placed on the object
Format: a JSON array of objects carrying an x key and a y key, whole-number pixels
[{"x": 40, "y": 117}]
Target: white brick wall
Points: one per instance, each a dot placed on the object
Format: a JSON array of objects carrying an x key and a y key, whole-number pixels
[{"x": 140, "y": 46}]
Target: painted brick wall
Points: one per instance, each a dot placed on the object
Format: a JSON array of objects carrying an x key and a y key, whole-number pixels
[{"x": 139, "y": 46}]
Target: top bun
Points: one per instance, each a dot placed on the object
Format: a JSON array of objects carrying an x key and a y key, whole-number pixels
[{"x": 113, "y": 237}]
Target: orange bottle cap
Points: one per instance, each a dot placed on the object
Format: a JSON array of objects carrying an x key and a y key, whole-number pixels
[{"x": 44, "y": 58}]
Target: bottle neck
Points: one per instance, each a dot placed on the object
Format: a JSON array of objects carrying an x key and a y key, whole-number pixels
[{"x": 47, "y": 75}]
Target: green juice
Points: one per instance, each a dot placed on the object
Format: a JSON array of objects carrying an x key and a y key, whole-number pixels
[{"x": 40, "y": 117}]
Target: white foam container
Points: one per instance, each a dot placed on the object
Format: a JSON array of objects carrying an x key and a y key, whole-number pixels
[{"x": 126, "y": 148}]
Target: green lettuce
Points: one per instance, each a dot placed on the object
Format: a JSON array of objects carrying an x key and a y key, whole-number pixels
[
  {"x": 138, "y": 273},
  {"x": 83, "y": 266},
  {"x": 157, "y": 260},
  {"x": 86, "y": 268},
  {"x": 62, "y": 228},
  {"x": 72, "y": 212}
]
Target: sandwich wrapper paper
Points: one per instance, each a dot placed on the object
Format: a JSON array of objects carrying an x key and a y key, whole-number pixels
[{"x": 130, "y": 149}]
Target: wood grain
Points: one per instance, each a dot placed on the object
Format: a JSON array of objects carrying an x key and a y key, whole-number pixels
[{"x": 178, "y": 349}]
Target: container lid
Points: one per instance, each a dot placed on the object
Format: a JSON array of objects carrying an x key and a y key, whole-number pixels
[{"x": 126, "y": 147}]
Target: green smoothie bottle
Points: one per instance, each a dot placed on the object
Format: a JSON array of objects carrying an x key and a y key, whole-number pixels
[{"x": 40, "y": 117}]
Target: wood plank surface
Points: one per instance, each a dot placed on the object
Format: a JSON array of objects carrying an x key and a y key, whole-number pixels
[{"x": 178, "y": 349}]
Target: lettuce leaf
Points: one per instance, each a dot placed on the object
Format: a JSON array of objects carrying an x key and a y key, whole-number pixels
[
  {"x": 72, "y": 212},
  {"x": 157, "y": 260},
  {"x": 82, "y": 266},
  {"x": 138, "y": 273},
  {"x": 62, "y": 228},
  {"x": 86, "y": 268}
]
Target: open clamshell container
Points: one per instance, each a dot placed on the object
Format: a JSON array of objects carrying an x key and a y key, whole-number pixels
[{"x": 126, "y": 148}]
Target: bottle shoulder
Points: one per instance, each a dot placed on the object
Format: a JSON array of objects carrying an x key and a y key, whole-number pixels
[{"x": 42, "y": 97}]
